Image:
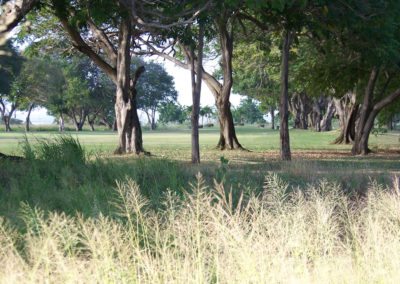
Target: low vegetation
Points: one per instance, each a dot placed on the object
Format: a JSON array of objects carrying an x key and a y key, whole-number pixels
[{"x": 69, "y": 215}]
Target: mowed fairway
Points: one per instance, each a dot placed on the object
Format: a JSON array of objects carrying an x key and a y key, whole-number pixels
[{"x": 175, "y": 143}]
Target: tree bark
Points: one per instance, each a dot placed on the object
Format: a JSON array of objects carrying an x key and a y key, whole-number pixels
[
  {"x": 196, "y": 78},
  {"x": 128, "y": 124},
  {"x": 360, "y": 145},
  {"x": 284, "y": 99},
  {"x": 91, "y": 123},
  {"x": 299, "y": 106},
  {"x": 326, "y": 122},
  {"x": 272, "y": 111},
  {"x": 61, "y": 126},
  {"x": 12, "y": 14},
  {"x": 368, "y": 113},
  {"x": 28, "y": 117},
  {"x": 7, "y": 120},
  {"x": 228, "y": 139},
  {"x": 347, "y": 111}
]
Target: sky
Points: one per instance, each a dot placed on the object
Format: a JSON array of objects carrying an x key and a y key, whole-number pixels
[{"x": 182, "y": 85}]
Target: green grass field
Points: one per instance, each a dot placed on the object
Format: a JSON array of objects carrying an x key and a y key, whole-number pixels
[
  {"x": 72, "y": 214},
  {"x": 175, "y": 143}
]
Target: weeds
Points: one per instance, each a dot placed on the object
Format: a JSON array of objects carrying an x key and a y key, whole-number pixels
[{"x": 306, "y": 237}]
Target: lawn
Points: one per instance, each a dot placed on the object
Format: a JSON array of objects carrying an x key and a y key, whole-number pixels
[{"x": 175, "y": 143}]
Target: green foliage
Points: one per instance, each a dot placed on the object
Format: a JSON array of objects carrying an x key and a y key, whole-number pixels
[
  {"x": 10, "y": 66},
  {"x": 248, "y": 112},
  {"x": 172, "y": 112},
  {"x": 155, "y": 88}
]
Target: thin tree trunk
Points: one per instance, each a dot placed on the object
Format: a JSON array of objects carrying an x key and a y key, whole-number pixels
[
  {"x": 196, "y": 78},
  {"x": 283, "y": 106},
  {"x": 61, "y": 126},
  {"x": 390, "y": 123},
  {"x": 28, "y": 117},
  {"x": 272, "y": 111}
]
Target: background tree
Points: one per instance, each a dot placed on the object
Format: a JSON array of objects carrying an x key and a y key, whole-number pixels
[
  {"x": 155, "y": 87},
  {"x": 248, "y": 112},
  {"x": 10, "y": 96},
  {"x": 172, "y": 112}
]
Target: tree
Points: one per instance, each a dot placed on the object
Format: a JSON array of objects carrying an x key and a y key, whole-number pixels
[
  {"x": 10, "y": 95},
  {"x": 222, "y": 18},
  {"x": 248, "y": 112},
  {"x": 108, "y": 46},
  {"x": 172, "y": 112},
  {"x": 155, "y": 87},
  {"x": 206, "y": 112},
  {"x": 358, "y": 55}
]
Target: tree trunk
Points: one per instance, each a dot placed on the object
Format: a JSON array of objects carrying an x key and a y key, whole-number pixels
[
  {"x": 91, "y": 123},
  {"x": 360, "y": 145},
  {"x": 196, "y": 78},
  {"x": 61, "y": 126},
  {"x": 347, "y": 111},
  {"x": 299, "y": 106},
  {"x": 149, "y": 119},
  {"x": 284, "y": 99},
  {"x": 114, "y": 126},
  {"x": 272, "y": 111},
  {"x": 326, "y": 122},
  {"x": 390, "y": 123},
  {"x": 28, "y": 117},
  {"x": 153, "y": 124},
  {"x": 316, "y": 114},
  {"x": 127, "y": 119},
  {"x": 7, "y": 120},
  {"x": 228, "y": 139}
]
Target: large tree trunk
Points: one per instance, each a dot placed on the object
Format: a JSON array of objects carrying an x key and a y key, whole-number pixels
[
  {"x": 284, "y": 99},
  {"x": 299, "y": 106},
  {"x": 326, "y": 122},
  {"x": 228, "y": 139},
  {"x": 316, "y": 114},
  {"x": 127, "y": 119},
  {"x": 196, "y": 78},
  {"x": 347, "y": 111},
  {"x": 28, "y": 117},
  {"x": 364, "y": 127}
]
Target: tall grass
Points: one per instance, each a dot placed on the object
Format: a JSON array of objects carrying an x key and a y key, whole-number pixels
[{"x": 283, "y": 235}]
